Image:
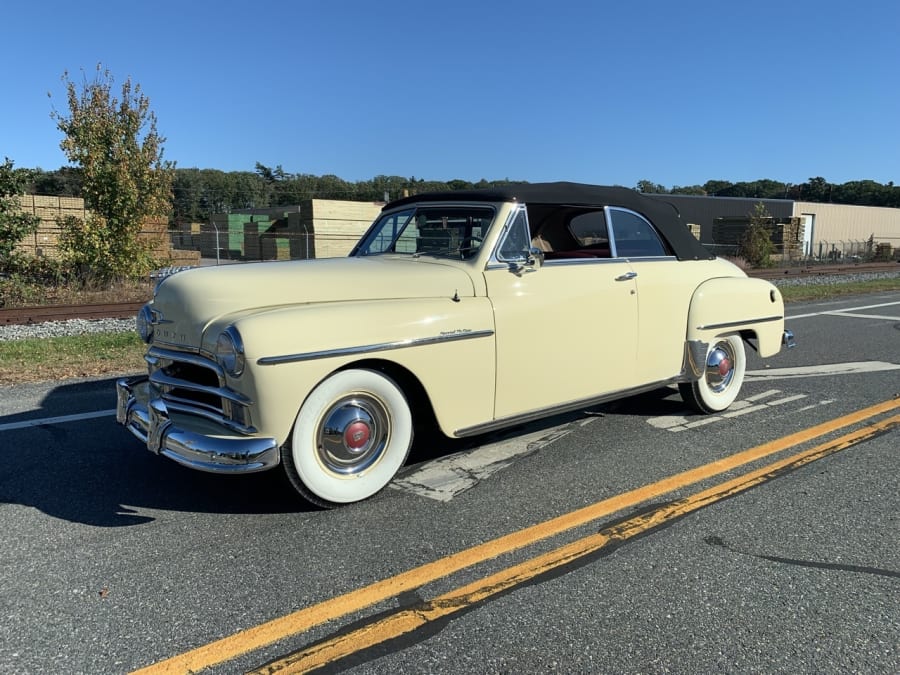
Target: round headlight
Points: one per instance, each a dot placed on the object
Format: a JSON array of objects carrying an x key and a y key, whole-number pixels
[
  {"x": 144, "y": 323},
  {"x": 230, "y": 351}
]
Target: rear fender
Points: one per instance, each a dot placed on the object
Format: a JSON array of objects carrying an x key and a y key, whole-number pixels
[{"x": 751, "y": 307}]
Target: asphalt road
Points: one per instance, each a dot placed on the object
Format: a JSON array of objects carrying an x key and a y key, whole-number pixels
[{"x": 112, "y": 559}]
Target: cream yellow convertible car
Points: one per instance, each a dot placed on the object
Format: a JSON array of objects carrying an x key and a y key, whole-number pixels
[{"x": 463, "y": 311}]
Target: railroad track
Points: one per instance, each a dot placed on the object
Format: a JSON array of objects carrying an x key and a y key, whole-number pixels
[
  {"x": 824, "y": 270},
  {"x": 29, "y": 315},
  {"x": 127, "y": 310}
]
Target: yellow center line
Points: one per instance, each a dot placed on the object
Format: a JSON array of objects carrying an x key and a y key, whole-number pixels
[
  {"x": 406, "y": 621},
  {"x": 302, "y": 620}
]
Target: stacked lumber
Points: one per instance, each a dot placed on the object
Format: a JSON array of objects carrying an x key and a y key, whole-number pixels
[
  {"x": 49, "y": 210},
  {"x": 786, "y": 234}
]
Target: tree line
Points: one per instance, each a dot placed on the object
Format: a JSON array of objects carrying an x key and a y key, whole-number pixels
[
  {"x": 857, "y": 192},
  {"x": 199, "y": 193}
]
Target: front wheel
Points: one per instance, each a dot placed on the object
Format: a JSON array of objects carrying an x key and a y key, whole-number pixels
[
  {"x": 722, "y": 378},
  {"x": 352, "y": 434}
]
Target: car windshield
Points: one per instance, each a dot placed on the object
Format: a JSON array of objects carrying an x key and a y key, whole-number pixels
[{"x": 447, "y": 231}]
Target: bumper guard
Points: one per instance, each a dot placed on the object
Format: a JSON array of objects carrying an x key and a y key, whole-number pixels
[{"x": 149, "y": 420}]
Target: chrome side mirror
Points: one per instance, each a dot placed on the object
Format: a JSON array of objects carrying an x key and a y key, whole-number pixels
[
  {"x": 535, "y": 259},
  {"x": 531, "y": 261}
]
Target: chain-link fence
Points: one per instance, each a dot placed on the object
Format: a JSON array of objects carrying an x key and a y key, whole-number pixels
[
  {"x": 870, "y": 250},
  {"x": 225, "y": 246},
  {"x": 848, "y": 251}
]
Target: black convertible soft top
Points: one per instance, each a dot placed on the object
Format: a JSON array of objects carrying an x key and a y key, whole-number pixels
[{"x": 661, "y": 213}]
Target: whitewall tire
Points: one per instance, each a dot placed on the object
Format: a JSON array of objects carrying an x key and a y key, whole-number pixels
[
  {"x": 352, "y": 434},
  {"x": 723, "y": 376}
]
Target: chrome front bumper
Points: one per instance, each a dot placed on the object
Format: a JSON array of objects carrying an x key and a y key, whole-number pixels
[{"x": 217, "y": 451}]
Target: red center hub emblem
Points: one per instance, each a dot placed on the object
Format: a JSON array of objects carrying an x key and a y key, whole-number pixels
[
  {"x": 356, "y": 435},
  {"x": 724, "y": 367}
]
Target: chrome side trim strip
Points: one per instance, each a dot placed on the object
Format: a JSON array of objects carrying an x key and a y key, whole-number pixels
[
  {"x": 648, "y": 258},
  {"x": 182, "y": 348},
  {"x": 743, "y": 322},
  {"x": 513, "y": 420},
  {"x": 368, "y": 349},
  {"x": 574, "y": 262}
]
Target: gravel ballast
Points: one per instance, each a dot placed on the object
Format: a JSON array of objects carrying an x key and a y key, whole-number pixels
[{"x": 65, "y": 328}]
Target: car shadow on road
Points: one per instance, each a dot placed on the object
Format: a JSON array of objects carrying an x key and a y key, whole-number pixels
[
  {"x": 654, "y": 403},
  {"x": 93, "y": 471},
  {"x": 431, "y": 445}
]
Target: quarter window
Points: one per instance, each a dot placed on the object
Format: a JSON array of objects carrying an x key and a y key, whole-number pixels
[{"x": 517, "y": 242}]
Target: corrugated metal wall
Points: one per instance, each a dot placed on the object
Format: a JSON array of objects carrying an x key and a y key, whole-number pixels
[{"x": 835, "y": 223}]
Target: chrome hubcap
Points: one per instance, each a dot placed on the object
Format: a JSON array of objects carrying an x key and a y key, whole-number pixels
[
  {"x": 720, "y": 367},
  {"x": 353, "y": 434}
]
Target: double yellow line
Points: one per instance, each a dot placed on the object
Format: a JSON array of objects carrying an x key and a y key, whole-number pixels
[{"x": 406, "y": 621}]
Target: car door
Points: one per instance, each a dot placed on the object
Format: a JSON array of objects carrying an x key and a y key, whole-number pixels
[
  {"x": 566, "y": 330},
  {"x": 665, "y": 286}
]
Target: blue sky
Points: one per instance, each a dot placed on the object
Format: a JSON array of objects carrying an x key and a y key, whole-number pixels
[{"x": 599, "y": 92}]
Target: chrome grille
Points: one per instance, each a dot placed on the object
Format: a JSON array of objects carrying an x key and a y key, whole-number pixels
[{"x": 193, "y": 384}]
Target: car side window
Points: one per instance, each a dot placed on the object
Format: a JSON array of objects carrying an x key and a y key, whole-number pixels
[
  {"x": 634, "y": 236},
  {"x": 517, "y": 242},
  {"x": 589, "y": 229}
]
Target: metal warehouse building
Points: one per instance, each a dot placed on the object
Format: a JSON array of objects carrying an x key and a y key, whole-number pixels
[{"x": 828, "y": 230}]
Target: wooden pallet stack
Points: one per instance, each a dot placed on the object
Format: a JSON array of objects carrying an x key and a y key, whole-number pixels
[
  {"x": 50, "y": 210},
  {"x": 786, "y": 234}
]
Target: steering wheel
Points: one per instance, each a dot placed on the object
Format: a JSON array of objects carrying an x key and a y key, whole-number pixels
[{"x": 469, "y": 244}]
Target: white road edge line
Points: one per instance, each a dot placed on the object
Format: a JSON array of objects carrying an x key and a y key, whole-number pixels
[
  {"x": 43, "y": 421},
  {"x": 821, "y": 370},
  {"x": 854, "y": 315},
  {"x": 840, "y": 311}
]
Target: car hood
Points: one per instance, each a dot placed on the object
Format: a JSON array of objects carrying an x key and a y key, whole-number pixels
[{"x": 188, "y": 302}]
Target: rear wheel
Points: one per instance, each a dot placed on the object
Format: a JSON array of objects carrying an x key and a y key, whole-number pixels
[
  {"x": 351, "y": 436},
  {"x": 723, "y": 376}
]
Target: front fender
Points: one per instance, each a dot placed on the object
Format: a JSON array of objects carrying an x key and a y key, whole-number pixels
[
  {"x": 738, "y": 305},
  {"x": 448, "y": 344}
]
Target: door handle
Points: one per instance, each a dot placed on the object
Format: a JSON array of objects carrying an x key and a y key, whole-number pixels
[{"x": 628, "y": 276}]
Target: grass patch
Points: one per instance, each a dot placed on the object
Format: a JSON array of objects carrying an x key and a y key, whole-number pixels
[
  {"x": 836, "y": 290},
  {"x": 39, "y": 360}
]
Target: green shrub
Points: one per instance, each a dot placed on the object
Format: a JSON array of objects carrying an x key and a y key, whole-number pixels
[{"x": 756, "y": 245}]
